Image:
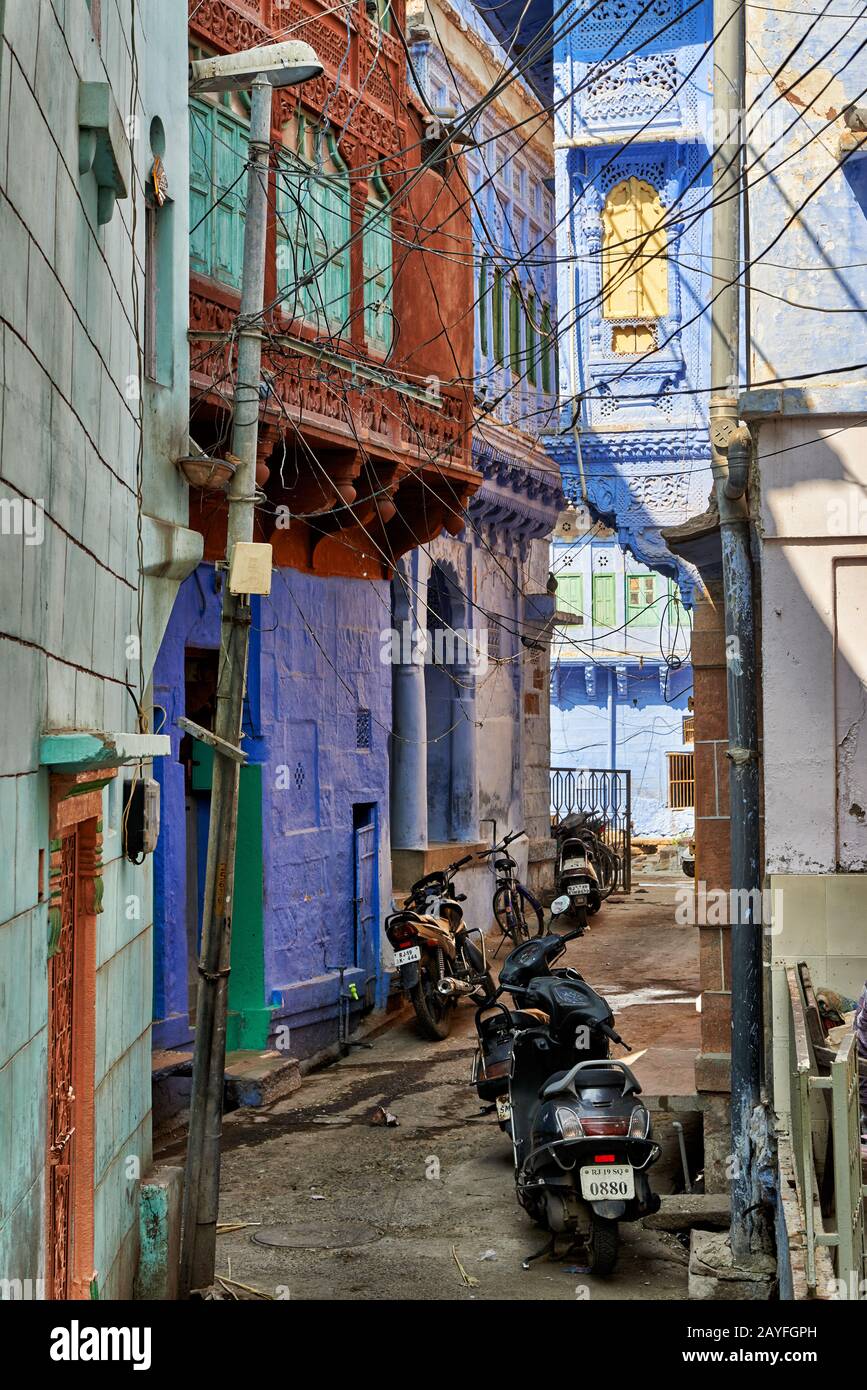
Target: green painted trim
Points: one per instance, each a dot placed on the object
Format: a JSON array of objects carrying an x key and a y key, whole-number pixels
[
  {"x": 249, "y": 1016},
  {"x": 81, "y": 752},
  {"x": 380, "y": 187},
  {"x": 55, "y": 925},
  {"x": 337, "y": 158}
]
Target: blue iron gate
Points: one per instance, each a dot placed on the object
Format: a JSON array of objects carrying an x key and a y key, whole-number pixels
[{"x": 606, "y": 794}]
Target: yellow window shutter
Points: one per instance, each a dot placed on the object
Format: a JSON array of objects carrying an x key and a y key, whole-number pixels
[{"x": 634, "y": 261}]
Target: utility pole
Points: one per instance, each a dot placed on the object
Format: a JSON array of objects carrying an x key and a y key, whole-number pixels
[
  {"x": 202, "y": 1175},
  {"x": 730, "y": 446}
]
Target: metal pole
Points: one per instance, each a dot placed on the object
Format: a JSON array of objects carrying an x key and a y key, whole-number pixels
[
  {"x": 612, "y": 722},
  {"x": 746, "y": 970},
  {"x": 202, "y": 1175}
]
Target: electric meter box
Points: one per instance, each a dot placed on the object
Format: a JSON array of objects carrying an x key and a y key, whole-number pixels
[
  {"x": 250, "y": 568},
  {"x": 141, "y": 817}
]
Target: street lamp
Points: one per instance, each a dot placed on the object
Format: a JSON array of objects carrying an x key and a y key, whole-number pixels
[
  {"x": 284, "y": 65},
  {"x": 263, "y": 69}
]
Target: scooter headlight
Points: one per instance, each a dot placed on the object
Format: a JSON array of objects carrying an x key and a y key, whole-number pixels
[
  {"x": 568, "y": 1123},
  {"x": 640, "y": 1123}
]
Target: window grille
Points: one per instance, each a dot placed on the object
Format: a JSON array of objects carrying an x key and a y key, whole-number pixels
[{"x": 681, "y": 781}]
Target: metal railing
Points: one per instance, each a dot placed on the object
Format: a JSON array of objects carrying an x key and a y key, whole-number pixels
[
  {"x": 825, "y": 1125},
  {"x": 606, "y": 794}
]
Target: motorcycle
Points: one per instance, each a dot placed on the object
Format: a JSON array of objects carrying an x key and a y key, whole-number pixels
[
  {"x": 582, "y": 1140},
  {"x": 586, "y": 869},
  {"x": 438, "y": 963}
]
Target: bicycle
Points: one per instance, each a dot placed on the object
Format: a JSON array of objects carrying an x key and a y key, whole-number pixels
[{"x": 515, "y": 908}]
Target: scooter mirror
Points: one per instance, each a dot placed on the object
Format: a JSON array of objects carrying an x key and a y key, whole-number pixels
[{"x": 560, "y": 905}]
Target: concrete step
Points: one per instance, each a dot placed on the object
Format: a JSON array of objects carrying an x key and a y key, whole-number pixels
[
  {"x": 683, "y": 1210},
  {"x": 257, "y": 1078}
]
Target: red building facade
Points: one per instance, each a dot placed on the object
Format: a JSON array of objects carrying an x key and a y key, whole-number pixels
[{"x": 365, "y": 422}]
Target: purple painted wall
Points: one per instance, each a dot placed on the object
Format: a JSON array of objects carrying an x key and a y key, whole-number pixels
[
  {"x": 313, "y": 686},
  {"x": 314, "y": 665}
]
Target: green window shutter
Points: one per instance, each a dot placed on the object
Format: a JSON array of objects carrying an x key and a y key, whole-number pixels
[
  {"x": 483, "y": 306},
  {"x": 641, "y": 594},
  {"x": 604, "y": 601},
  {"x": 547, "y": 348},
  {"x": 570, "y": 593},
  {"x": 313, "y": 227},
  {"x": 337, "y": 269},
  {"x": 201, "y": 185},
  {"x": 378, "y": 325},
  {"x": 289, "y": 265},
  {"x": 218, "y": 155},
  {"x": 530, "y": 339},
  {"x": 498, "y": 317},
  {"x": 515, "y": 356},
  {"x": 230, "y": 142}
]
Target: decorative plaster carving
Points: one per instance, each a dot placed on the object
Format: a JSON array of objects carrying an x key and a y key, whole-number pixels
[{"x": 633, "y": 89}]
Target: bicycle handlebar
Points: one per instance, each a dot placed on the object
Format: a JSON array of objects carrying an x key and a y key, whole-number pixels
[{"x": 495, "y": 849}]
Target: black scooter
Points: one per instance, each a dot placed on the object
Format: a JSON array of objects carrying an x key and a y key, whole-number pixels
[{"x": 581, "y": 1139}]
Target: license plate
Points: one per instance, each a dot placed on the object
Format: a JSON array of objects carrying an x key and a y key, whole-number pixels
[
  {"x": 576, "y": 891},
  {"x": 504, "y": 1108},
  {"x": 407, "y": 955},
  {"x": 602, "y": 1182}
]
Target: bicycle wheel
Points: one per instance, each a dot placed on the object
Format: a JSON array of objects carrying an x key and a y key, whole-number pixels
[
  {"x": 531, "y": 911},
  {"x": 511, "y": 911}
]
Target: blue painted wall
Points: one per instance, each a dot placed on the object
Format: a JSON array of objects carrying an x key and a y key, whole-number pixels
[
  {"x": 629, "y": 105},
  {"x": 649, "y": 725},
  {"x": 614, "y": 701},
  {"x": 809, "y": 287},
  {"x": 302, "y": 726}
]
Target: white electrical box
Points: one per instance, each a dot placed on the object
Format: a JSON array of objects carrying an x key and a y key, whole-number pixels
[{"x": 250, "y": 568}]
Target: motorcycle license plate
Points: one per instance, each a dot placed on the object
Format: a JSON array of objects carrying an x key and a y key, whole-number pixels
[
  {"x": 504, "y": 1108},
  {"x": 407, "y": 955},
  {"x": 607, "y": 1182},
  {"x": 576, "y": 891}
]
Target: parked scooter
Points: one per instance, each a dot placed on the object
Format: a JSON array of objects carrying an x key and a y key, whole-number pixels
[
  {"x": 437, "y": 961},
  {"x": 586, "y": 869},
  {"x": 581, "y": 1139}
]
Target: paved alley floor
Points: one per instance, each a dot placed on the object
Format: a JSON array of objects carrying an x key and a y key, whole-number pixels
[{"x": 380, "y": 1213}]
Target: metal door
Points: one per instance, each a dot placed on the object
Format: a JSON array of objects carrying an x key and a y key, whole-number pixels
[
  {"x": 61, "y": 1093},
  {"x": 366, "y": 897}
]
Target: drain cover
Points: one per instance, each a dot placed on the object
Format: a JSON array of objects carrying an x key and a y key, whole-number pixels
[{"x": 316, "y": 1237}]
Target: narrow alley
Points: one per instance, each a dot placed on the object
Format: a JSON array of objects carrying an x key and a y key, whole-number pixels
[
  {"x": 346, "y": 1209},
  {"x": 433, "y": 516}
]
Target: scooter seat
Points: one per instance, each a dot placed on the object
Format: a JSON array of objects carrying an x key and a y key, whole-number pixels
[{"x": 565, "y": 1083}]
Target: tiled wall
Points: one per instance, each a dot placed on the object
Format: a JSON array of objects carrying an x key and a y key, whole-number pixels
[
  {"x": 820, "y": 919},
  {"x": 68, "y": 440}
]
